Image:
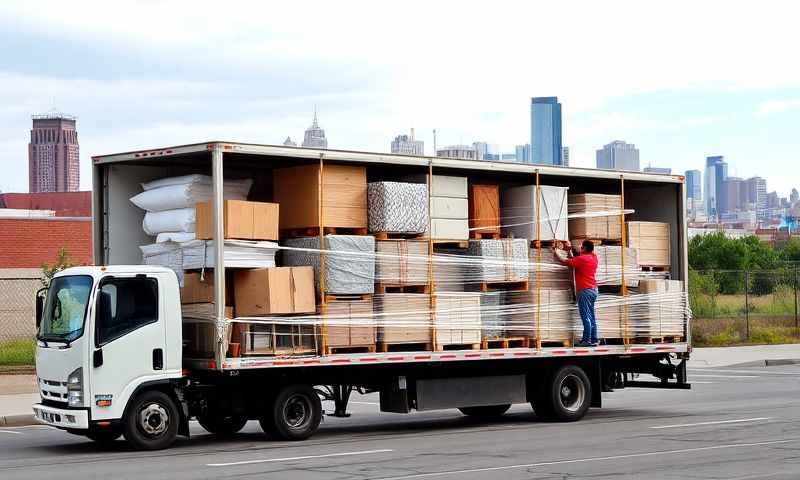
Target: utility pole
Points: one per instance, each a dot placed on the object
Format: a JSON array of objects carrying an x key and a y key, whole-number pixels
[{"x": 747, "y": 302}]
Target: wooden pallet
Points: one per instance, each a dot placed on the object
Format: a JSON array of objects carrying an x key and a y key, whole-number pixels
[
  {"x": 506, "y": 286},
  {"x": 655, "y": 268},
  {"x": 476, "y": 235},
  {"x": 399, "y": 236},
  {"x": 556, "y": 343},
  {"x": 506, "y": 342},
  {"x": 350, "y": 349},
  {"x": 404, "y": 347},
  {"x": 451, "y": 243},
  {"x": 560, "y": 244},
  {"x": 314, "y": 231},
  {"x": 330, "y": 297},
  {"x": 659, "y": 339},
  {"x": 459, "y": 346},
  {"x": 381, "y": 288}
]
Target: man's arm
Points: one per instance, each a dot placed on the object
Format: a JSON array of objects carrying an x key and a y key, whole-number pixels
[{"x": 563, "y": 261}]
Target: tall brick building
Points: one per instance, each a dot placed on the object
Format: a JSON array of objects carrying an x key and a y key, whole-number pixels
[{"x": 53, "y": 154}]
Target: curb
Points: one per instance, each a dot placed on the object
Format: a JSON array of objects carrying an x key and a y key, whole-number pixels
[
  {"x": 768, "y": 363},
  {"x": 18, "y": 420}
]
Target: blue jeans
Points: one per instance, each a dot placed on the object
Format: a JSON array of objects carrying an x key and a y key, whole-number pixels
[{"x": 586, "y": 299}]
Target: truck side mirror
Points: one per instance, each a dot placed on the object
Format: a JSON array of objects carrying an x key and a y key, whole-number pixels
[{"x": 40, "y": 296}]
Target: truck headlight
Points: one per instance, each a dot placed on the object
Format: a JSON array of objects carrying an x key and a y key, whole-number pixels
[{"x": 75, "y": 388}]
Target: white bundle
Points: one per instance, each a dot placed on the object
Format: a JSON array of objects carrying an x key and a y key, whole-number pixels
[
  {"x": 238, "y": 254},
  {"x": 178, "y": 237},
  {"x": 172, "y": 196},
  {"x": 179, "y": 220},
  {"x": 167, "y": 254}
]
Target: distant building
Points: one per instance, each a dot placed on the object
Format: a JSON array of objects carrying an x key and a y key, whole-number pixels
[
  {"x": 659, "y": 170},
  {"x": 481, "y": 150},
  {"x": 53, "y": 154},
  {"x": 716, "y": 173},
  {"x": 315, "y": 136},
  {"x": 289, "y": 142},
  {"x": 618, "y": 155},
  {"x": 408, "y": 145},
  {"x": 465, "y": 152},
  {"x": 734, "y": 195},
  {"x": 565, "y": 156},
  {"x": 794, "y": 197},
  {"x": 524, "y": 153},
  {"x": 545, "y": 131},
  {"x": 694, "y": 185},
  {"x": 31, "y": 240},
  {"x": 757, "y": 195},
  {"x": 508, "y": 157},
  {"x": 63, "y": 204}
]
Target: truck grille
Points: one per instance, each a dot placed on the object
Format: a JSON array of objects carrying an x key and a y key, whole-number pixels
[{"x": 53, "y": 390}]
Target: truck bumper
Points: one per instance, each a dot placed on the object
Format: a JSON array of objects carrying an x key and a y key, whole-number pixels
[{"x": 61, "y": 418}]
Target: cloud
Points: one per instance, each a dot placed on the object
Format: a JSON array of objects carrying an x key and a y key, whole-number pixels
[{"x": 777, "y": 106}]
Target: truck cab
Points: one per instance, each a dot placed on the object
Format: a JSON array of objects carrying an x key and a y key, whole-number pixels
[{"x": 109, "y": 353}]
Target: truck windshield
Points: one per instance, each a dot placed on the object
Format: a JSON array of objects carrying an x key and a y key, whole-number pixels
[{"x": 65, "y": 309}]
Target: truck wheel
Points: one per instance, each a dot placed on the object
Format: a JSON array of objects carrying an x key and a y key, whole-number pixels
[
  {"x": 566, "y": 396},
  {"x": 485, "y": 411},
  {"x": 151, "y": 422},
  {"x": 294, "y": 414},
  {"x": 106, "y": 436},
  {"x": 222, "y": 425}
]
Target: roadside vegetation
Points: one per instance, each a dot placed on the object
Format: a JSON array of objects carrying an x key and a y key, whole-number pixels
[{"x": 17, "y": 353}]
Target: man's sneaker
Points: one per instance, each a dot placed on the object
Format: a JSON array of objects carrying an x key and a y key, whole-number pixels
[{"x": 585, "y": 344}]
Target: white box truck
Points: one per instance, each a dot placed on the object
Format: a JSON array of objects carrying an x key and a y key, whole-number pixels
[{"x": 110, "y": 358}]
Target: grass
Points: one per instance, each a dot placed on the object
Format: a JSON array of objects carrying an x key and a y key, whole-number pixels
[
  {"x": 781, "y": 302},
  {"x": 727, "y": 331},
  {"x": 17, "y": 352}
]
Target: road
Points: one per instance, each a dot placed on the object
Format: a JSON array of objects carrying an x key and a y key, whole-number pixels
[{"x": 736, "y": 423}]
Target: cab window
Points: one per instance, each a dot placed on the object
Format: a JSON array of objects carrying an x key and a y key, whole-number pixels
[{"x": 125, "y": 305}]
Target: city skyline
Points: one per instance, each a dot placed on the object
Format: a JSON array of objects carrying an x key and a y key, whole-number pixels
[{"x": 254, "y": 79}]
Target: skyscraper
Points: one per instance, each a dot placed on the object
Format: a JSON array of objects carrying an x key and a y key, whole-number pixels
[
  {"x": 565, "y": 156},
  {"x": 466, "y": 152},
  {"x": 694, "y": 188},
  {"x": 53, "y": 154},
  {"x": 757, "y": 195},
  {"x": 408, "y": 145},
  {"x": 618, "y": 155},
  {"x": 545, "y": 131},
  {"x": 716, "y": 173},
  {"x": 523, "y": 153},
  {"x": 315, "y": 136}
]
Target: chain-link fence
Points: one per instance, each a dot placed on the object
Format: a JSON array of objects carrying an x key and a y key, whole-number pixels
[
  {"x": 736, "y": 306},
  {"x": 17, "y": 311}
]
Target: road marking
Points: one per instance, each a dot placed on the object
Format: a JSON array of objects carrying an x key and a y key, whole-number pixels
[
  {"x": 764, "y": 372},
  {"x": 305, "y": 457},
  {"x": 718, "y": 422},
  {"x": 590, "y": 459},
  {"x": 700, "y": 383},
  {"x": 365, "y": 403},
  {"x": 11, "y": 431},
  {"x": 721, "y": 376}
]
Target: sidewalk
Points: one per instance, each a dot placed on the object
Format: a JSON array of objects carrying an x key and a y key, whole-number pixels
[{"x": 17, "y": 395}]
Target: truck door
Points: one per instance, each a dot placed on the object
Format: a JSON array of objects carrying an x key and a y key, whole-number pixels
[{"x": 129, "y": 341}]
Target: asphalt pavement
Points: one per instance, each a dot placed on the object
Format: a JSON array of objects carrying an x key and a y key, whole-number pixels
[{"x": 736, "y": 423}]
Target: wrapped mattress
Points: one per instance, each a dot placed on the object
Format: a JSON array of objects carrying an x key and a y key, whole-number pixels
[{"x": 349, "y": 261}]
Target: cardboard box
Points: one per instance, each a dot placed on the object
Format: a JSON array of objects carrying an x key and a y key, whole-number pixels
[
  {"x": 401, "y": 262},
  {"x": 200, "y": 289},
  {"x": 361, "y": 330},
  {"x": 344, "y": 202},
  {"x": 605, "y": 227},
  {"x": 484, "y": 208},
  {"x": 278, "y": 290},
  {"x": 651, "y": 239},
  {"x": 243, "y": 220},
  {"x": 405, "y": 318}
]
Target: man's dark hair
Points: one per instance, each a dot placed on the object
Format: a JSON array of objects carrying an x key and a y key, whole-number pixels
[{"x": 588, "y": 246}]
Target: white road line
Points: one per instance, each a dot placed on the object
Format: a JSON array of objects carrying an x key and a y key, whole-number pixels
[
  {"x": 692, "y": 375},
  {"x": 11, "y": 431},
  {"x": 718, "y": 422},
  {"x": 764, "y": 372},
  {"x": 700, "y": 383},
  {"x": 305, "y": 457},
  {"x": 590, "y": 459}
]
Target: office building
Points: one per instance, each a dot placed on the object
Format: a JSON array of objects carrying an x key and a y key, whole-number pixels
[
  {"x": 481, "y": 150},
  {"x": 618, "y": 155},
  {"x": 757, "y": 195},
  {"x": 465, "y": 152},
  {"x": 545, "y": 131},
  {"x": 715, "y": 175},
  {"x": 658, "y": 170},
  {"x": 408, "y": 145},
  {"x": 508, "y": 157},
  {"x": 523, "y": 153},
  {"x": 565, "y": 156},
  {"x": 694, "y": 188},
  {"x": 733, "y": 195},
  {"x": 315, "y": 136},
  {"x": 53, "y": 154},
  {"x": 794, "y": 196}
]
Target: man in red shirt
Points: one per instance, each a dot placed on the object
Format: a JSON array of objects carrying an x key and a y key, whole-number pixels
[{"x": 585, "y": 266}]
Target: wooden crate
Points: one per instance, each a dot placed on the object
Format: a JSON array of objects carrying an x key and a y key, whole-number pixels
[
  {"x": 484, "y": 210},
  {"x": 349, "y": 323},
  {"x": 458, "y": 319},
  {"x": 651, "y": 239},
  {"x": 403, "y": 318}
]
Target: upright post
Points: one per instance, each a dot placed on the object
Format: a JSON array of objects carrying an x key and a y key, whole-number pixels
[
  {"x": 624, "y": 241},
  {"x": 747, "y": 303},
  {"x": 796, "y": 280},
  {"x": 321, "y": 218},
  {"x": 538, "y": 196},
  {"x": 219, "y": 253},
  {"x": 431, "y": 281}
]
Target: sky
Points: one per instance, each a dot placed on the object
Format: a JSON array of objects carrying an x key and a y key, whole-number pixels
[{"x": 681, "y": 80}]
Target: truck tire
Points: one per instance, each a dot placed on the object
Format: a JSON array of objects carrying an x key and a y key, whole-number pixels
[
  {"x": 223, "y": 424},
  {"x": 565, "y": 396},
  {"x": 151, "y": 421},
  {"x": 294, "y": 413},
  {"x": 103, "y": 437},
  {"x": 485, "y": 411}
]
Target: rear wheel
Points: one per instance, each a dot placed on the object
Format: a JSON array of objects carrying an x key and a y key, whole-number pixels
[
  {"x": 485, "y": 411},
  {"x": 566, "y": 395},
  {"x": 294, "y": 414},
  {"x": 151, "y": 422},
  {"x": 222, "y": 425}
]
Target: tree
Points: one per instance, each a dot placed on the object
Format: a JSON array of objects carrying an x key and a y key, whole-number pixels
[{"x": 62, "y": 262}]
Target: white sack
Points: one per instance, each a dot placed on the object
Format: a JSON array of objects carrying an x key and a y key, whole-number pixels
[
  {"x": 180, "y": 220},
  {"x": 171, "y": 197},
  {"x": 181, "y": 180},
  {"x": 178, "y": 237}
]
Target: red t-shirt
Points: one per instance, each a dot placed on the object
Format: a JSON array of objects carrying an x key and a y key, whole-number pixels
[{"x": 585, "y": 268}]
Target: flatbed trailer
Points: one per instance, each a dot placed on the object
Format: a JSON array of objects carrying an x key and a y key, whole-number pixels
[{"x": 283, "y": 392}]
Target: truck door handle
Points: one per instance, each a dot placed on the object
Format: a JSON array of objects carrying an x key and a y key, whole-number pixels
[
  {"x": 158, "y": 359},
  {"x": 97, "y": 358}
]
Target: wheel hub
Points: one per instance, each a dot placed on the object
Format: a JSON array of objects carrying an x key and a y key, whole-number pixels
[
  {"x": 153, "y": 419},
  {"x": 572, "y": 393},
  {"x": 297, "y": 411}
]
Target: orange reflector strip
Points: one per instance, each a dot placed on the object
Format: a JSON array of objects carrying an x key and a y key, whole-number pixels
[
  {"x": 104, "y": 424},
  {"x": 104, "y": 403}
]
